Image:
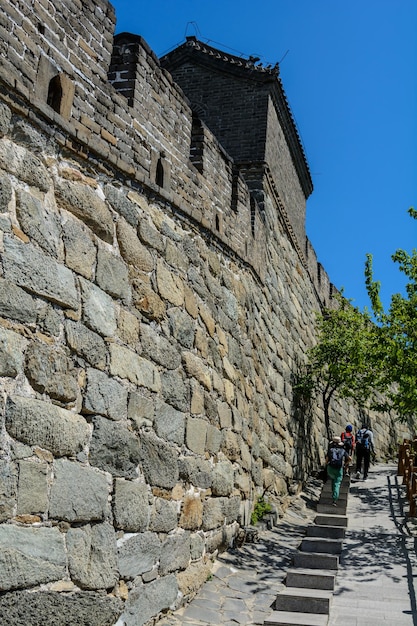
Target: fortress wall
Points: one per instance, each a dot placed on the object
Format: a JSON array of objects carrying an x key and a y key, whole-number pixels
[{"x": 147, "y": 357}]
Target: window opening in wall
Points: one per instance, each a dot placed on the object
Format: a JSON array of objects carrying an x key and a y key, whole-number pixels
[
  {"x": 55, "y": 94},
  {"x": 159, "y": 176},
  {"x": 217, "y": 223}
]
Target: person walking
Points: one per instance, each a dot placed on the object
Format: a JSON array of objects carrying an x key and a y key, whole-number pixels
[
  {"x": 336, "y": 460},
  {"x": 364, "y": 449},
  {"x": 348, "y": 440}
]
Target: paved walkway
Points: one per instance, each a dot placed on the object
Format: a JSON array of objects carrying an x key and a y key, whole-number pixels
[
  {"x": 375, "y": 585},
  {"x": 376, "y": 580}
]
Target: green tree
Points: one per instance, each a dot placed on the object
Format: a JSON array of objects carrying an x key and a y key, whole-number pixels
[
  {"x": 397, "y": 345},
  {"x": 371, "y": 361},
  {"x": 343, "y": 362}
]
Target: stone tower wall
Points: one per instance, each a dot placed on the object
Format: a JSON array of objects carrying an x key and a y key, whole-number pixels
[{"x": 151, "y": 326}]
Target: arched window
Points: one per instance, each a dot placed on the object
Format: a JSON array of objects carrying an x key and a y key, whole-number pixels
[
  {"x": 159, "y": 176},
  {"x": 55, "y": 93}
]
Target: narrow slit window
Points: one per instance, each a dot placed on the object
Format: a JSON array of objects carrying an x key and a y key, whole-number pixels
[
  {"x": 55, "y": 94},
  {"x": 159, "y": 177}
]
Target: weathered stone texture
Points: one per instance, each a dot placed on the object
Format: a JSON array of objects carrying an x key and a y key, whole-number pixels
[
  {"x": 78, "y": 493},
  {"x": 39, "y": 423},
  {"x": 30, "y": 556},
  {"x": 33, "y": 488},
  {"x": 12, "y": 348},
  {"x": 29, "y": 268},
  {"x": 92, "y": 556},
  {"x": 114, "y": 448},
  {"x": 139, "y": 554},
  {"x": 85, "y": 204},
  {"x": 131, "y": 505},
  {"x": 69, "y": 609},
  {"x": 105, "y": 396},
  {"x": 147, "y": 600}
]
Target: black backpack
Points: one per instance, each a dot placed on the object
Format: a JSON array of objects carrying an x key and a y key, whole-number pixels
[{"x": 336, "y": 456}]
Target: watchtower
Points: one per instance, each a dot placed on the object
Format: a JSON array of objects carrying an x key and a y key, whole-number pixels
[{"x": 245, "y": 106}]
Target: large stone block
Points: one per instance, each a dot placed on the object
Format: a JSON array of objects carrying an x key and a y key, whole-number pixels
[
  {"x": 105, "y": 396},
  {"x": 128, "y": 364},
  {"x": 80, "y": 249},
  {"x": 158, "y": 348},
  {"x": 196, "y": 471},
  {"x": 5, "y": 119},
  {"x": 12, "y": 347},
  {"x": 223, "y": 479},
  {"x": 86, "y": 204},
  {"x": 5, "y": 190},
  {"x": 169, "y": 423},
  {"x": 191, "y": 513},
  {"x": 8, "y": 489},
  {"x": 24, "y": 165},
  {"x": 131, "y": 505},
  {"x": 50, "y": 371},
  {"x": 84, "y": 608},
  {"x": 175, "y": 389},
  {"x": 33, "y": 488},
  {"x": 139, "y": 554},
  {"x": 92, "y": 556},
  {"x": 132, "y": 250},
  {"x": 183, "y": 327},
  {"x": 112, "y": 275},
  {"x": 28, "y": 267},
  {"x": 39, "y": 223},
  {"x": 127, "y": 209},
  {"x": 114, "y": 448},
  {"x": 196, "y": 434},
  {"x": 30, "y": 556},
  {"x": 159, "y": 462},
  {"x": 39, "y": 423},
  {"x": 78, "y": 493},
  {"x": 16, "y": 304},
  {"x": 175, "y": 553},
  {"x": 164, "y": 516},
  {"x": 86, "y": 343},
  {"x": 146, "y": 601},
  {"x": 98, "y": 309}
]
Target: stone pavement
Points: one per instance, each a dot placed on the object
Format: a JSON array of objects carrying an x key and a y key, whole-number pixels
[
  {"x": 245, "y": 581},
  {"x": 375, "y": 580}
]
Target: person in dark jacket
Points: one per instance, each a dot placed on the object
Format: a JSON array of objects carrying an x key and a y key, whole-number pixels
[
  {"x": 336, "y": 460},
  {"x": 364, "y": 449}
]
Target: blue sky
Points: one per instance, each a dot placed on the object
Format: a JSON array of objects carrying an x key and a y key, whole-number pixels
[{"x": 349, "y": 70}]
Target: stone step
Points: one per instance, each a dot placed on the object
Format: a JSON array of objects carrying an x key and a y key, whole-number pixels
[
  {"x": 285, "y": 618},
  {"x": 331, "y": 520},
  {"x": 329, "y": 532},
  {"x": 315, "y": 560},
  {"x": 311, "y": 578},
  {"x": 339, "y": 509},
  {"x": 303, "y": 600},
  {"x": 318, "y": 544},
  {"x": 327, "y": 498},
  {"x": 327, "y": 488}
]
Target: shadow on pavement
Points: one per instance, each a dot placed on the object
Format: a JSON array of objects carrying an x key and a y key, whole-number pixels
[{"x": 378, "y": 551}]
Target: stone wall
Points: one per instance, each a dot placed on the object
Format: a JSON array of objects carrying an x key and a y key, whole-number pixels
[{"x": 151, "y": 326}]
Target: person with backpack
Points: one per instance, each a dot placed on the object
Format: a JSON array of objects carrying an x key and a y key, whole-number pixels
[
  {"x": 364, "y": 449},
  {"x": 336, "y": 459},
  {"x": 348, "y": 440}
]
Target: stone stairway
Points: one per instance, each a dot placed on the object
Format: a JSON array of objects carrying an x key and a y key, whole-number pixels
[{"x": 306, "y": 598}]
